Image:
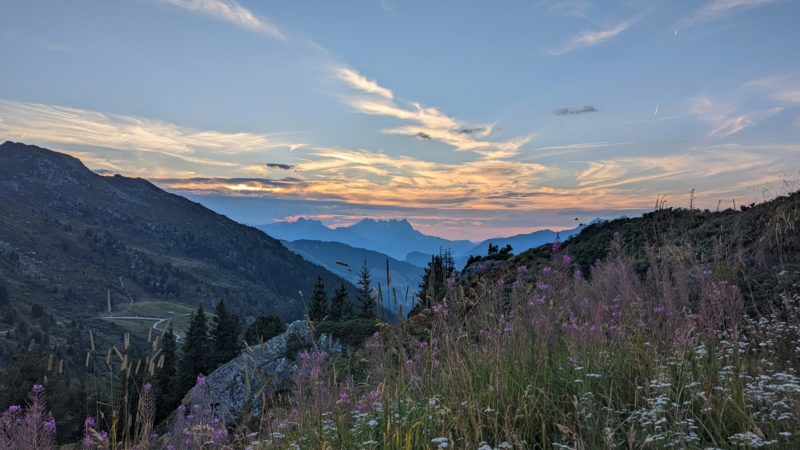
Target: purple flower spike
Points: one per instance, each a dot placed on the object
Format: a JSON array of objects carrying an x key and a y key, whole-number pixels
[{"x": 49, "y": 426}]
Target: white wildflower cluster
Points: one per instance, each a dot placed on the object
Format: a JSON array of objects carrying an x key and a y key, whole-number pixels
[
  {"x": 773, "y": 397},
  {"x": 750, "y": 440},
  {"x": 501, "y": 446},
  {"x": 664, "y": 421},
  {"x": 440, "y": 442}
]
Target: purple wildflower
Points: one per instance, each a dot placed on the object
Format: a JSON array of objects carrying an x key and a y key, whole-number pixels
[
  {"x": 13, "y": 409},
  {"x": 49, "y": 426},
  {"x": 501, "y": 281},
  {"x": 220, "y": 434},
  {"x": 37, "y": 389},
  {"x": 89, "y": 422},
  {"x": 574, "y": 361},
  {"x": 201, "y": 380},
  {"x": 547, "y": 270},
  {"x": 566, "y": 260},
  {"x": 374, "y": 395},
  {"x": 542, "y": 286}
]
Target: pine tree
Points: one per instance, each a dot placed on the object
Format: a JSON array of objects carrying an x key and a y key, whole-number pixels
[
  {"x": 365, "y": 293},
  {"x": 433, "y": 287},
  {"x": 165, "y": 375},
  {"x": 319, "y": 302},
  {"x": 195, "y": 352},
  {"x": 264, "y": 328},
  {"x": 226, "y": 344},
  {"x": 341, "y": 308}
]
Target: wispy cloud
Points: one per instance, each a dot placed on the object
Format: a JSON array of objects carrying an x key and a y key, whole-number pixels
[
  {"x": 54, "y": 47},
  {"x": 425, "y": 122},
  {"x": 574, "y": 111},
  {"x": 281, "y": 166},
  {"x": 784, "y": 88},
  {"x": 590, "y": 38},
  {"x": 731, "y": 166},
  {"x": 555, "y": 150},
  {"x": 573, "y": 8},
  {"x": 63, "y": 125},
  {"x": 720, "y": 8},
  {"x": 726, "y": 120},
  {"x": 230, "y": 11},
  {"x": 362, "y": 83}
]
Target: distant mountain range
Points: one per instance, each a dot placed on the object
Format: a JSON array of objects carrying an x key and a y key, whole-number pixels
[
  {"x": 395, "y": 238},
  {"x": 400, "y": 241},
  {"x": 68, "y": 236}
]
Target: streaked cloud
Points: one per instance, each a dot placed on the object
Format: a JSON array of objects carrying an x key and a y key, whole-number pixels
[
  {"x": 64, "y": 125},
  {"x": 717, "y": 9},
  {"x": 590, "y": 38},
  {"x": 281, "y": 166},
  {"x": 726, "y": 120},
  {"x": 574, "y": 111},
  {"x": 425, "y": 122},
  {"x": 572, "y": 8},
  {"x": 229, "y": 11},
  {"x": 362, "y": 83},
  {"x": 783, "y": 88}
]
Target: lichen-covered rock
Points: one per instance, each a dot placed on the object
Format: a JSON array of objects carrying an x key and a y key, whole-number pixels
[{"x": 257, "y": 373}]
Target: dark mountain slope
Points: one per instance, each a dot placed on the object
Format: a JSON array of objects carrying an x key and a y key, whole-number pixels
[
  {"x": 67, "y": 235},
  {"x": 758, "y": 247}
]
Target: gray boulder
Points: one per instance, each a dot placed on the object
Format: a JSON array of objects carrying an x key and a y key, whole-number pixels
[{"x": 257, "y": 373}]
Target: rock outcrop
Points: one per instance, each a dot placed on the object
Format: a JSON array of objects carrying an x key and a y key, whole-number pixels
[{"x": 259, "y": 372}]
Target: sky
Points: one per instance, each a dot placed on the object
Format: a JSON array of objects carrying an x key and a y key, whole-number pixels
[{"x": 472, "y": 119}]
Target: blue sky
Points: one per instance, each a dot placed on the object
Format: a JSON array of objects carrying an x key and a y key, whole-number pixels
[{"x": 472, "y": 119}]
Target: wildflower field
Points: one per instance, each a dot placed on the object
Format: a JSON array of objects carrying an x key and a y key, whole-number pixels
[{"x": 672, "y": 357}]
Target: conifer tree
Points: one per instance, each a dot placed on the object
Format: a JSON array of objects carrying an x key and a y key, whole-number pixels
[
  {"x": 365, "y": 293},
  {"x": 165, "y": 375},
  {"x": 195, "y": 352},
  {"x": 319, "y": 302},
  {"x": 264, "y": 328},
  {"x": 226, "y": 344},
  {"x": 341, "y": 308},
  {"x": 433, "y": 287}
]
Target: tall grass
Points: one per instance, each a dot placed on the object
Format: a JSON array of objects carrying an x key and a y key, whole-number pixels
[
  {"x": 540, "y": 358},
  {"x": 554, "y": 360}
]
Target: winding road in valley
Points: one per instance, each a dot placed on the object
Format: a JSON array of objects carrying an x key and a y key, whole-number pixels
[{"x": 157, "y": 321}]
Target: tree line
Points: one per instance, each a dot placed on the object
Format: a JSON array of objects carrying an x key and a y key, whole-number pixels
[{"x": 210, "y": 343}]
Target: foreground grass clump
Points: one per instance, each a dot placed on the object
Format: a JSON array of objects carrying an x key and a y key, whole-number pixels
[{"x": 668, "y": 361}]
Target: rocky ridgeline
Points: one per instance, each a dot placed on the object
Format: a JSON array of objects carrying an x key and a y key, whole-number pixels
[{"x": 259, "y": 372}]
